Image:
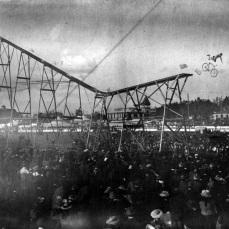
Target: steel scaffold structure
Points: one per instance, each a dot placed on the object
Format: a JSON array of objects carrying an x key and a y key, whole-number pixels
[
  {"x": 31, "y": 85},
  {"x": 162, "y": 92}
]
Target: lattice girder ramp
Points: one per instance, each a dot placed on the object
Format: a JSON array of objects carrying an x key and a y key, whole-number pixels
[
  {"x": 135, "y": 107},
  {"x": 42, "y": 98}
]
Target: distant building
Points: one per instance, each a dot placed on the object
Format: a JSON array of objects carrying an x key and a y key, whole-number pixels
[
  {"x": 219, "y": 116},
  {"x": 131, "y": 113},
  {"x": 6, "y": 113}
]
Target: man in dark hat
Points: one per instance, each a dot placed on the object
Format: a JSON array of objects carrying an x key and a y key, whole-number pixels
[
  {"x": 130, "y": 221},
  {"x": 208, "y": 210},
  {"x": 177, "y": 208}
]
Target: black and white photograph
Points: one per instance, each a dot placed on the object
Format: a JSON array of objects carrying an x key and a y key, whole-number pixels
[{"x": 114, "y": 114}]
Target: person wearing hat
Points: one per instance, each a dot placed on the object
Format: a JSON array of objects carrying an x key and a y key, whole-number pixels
[
  {"x": 113, "y": 222},
  {"x": 40, "y": 208},
  {"x": 223, "y": 218},
  {"x": 177, "y": 208},
  {"x": 24, "y": 176},
  {"x": 164, "y": 200},
  {"x": 156, "y": 221},
  {"x": 195, "y": 186},
  {"x": 130, "y": 221},
  {"x": 192, "y": 214},
  {"x": 65, "y": 207},
  {"x": 208, "y": 210}
]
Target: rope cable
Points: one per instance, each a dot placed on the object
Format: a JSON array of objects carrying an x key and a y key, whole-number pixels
[{"x": 116, "y": 46}]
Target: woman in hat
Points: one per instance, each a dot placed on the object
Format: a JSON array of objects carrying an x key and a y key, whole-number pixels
[
  {"x": 156, "y": 222},
  {"x": 208, "y": 210}
]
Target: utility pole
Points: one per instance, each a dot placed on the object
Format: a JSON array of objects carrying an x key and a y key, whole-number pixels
[{"x": 188, "y": 112}]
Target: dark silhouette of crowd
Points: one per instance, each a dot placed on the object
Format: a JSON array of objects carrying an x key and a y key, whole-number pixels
[{"x": 131, "y": 185}]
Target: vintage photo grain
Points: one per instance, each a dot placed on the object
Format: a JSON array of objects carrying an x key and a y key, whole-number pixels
[{"x": 114, "y": 114}]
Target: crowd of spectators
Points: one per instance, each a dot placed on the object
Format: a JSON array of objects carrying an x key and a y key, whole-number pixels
[{"x": 113, "y": 185}]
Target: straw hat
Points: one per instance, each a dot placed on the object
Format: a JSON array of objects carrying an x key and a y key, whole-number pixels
[
  {"x": 156, "y": 214},
  {"x": 108, "y": 189},
  {"x": 149, "y": 226},
  {"x": 205, "y": 193},
  {"x": 164, "y": 194},
  {"x": 112, "y": 220},
  {"x": 121, "y": 187},
  {"x": 160, "y": 181}
]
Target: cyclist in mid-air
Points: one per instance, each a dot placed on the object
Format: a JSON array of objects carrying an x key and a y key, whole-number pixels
[{"x": 218, "y": 56}]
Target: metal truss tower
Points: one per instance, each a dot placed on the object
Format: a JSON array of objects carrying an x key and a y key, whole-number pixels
[
  {"x": 41, "y": 92},
  {"x": 38, "y": 91},
  {"x": 163, "y": 93}
]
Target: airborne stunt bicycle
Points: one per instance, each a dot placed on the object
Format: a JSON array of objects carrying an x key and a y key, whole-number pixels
[{"x": 210, "y": 67}]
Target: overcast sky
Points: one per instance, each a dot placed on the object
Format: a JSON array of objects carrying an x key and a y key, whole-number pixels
[{"x": 76, "y": 34}]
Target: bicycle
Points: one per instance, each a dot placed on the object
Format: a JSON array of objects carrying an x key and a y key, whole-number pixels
[{"x": 210, "y": 67}]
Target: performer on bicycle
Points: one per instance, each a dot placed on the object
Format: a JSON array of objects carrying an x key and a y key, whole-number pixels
[{"x": 214, "y": 58}]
